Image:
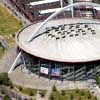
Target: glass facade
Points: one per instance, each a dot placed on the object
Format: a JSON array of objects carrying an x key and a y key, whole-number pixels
[{"x": 59, "y": 70}]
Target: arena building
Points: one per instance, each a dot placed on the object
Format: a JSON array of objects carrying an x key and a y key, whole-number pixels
[{"x": 61, "y": 48}]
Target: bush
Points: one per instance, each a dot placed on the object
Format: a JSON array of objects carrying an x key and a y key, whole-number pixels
[
  {"x": 88, "y": 95},
  {"x": 4, "y": 79},
  {"x": 2, "y": 92},
  {"x": 20, "y": 88},
  {"x": 71, "y": 97},
  {"x": 31, "y": 93},
  {"x": 51, "y": 97},
  {"x": 54, "y": 88},
  {"x": 77, "y": 91},
  {"x": 11, "y": 86},
  {"x": 42, "y": 94},
  {"x": 30, "y": 99},
  {"x": 82, "y": 93},
  {"x": 6, "y": 98},
  {"x": 63, "y": 92},
  {"x": 80, "y": 98},
  {"x": 95, "y": 98}
]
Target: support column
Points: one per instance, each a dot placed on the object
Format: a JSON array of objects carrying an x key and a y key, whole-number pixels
[
  {"x": 61, "y": 3},
  {"x": 94, "y": 70},
  {"x": 73, "y": 73},
  {"x": 86, "y": 77},
  {"x": 23, "y": 61},
  {"x": 15, "y": 62},
  {"x": 39, "y": 68},
  {"x": 72, "y": 9},
  {"x": 49, "y": 70},
  {"x": 61, "y": 72}
]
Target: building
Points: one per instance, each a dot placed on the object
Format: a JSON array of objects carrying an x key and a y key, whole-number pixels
[
  {"x": 61, "y": 48},
  {"x": 36, "y": 10}
]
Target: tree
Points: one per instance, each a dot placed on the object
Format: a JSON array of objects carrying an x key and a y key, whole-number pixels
[
  {"x": 4, "y": 79},
  {"x": 95, "y": 98},
  {"x": 77, "y": 91},
  {"x": 82, "y": 93},
  {"x": 96, "y": 1},
  {"x": 80, "y": 98},
  {"x": 6, "y": 98},
  {"x": 51, "y": 97},
  {"x": 54, "y": 88},
  {"x": 42, "y": 93},
  {"x": 71, "y": 97},
  {"x": 88, "y": 95},
  {"x": 20, "y": 88},
  {"x": 62, "y": 92},
  {"x": 31, "y": 93}
]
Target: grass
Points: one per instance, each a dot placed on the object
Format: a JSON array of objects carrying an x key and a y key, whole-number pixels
[
  {"x": 71, "y": 95},
  {"x": 8, "y": 23},
  {"x": 29, "y": 91},
  {"x": 2, "y": 51},
  {"x": 8, "y": 26}
]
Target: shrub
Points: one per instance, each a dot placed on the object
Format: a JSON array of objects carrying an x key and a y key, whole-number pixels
[
  {"x": 95, "y": 98},
  {"x": 30, "y": 99},
  {"x": 20, "y": 88},
  {"x": 71, "y": 97},
  {"x": 63, "y": 92},
  {"x": 80, "y": 98},
  {"x": 31, "y": 93},
  {"x": 88, "y": 95},
  {"x": 2, "y": 92},
  {"x": 11, "y": 86},
  {"x": 6, "y": 98},
  {"x": 77, "y": 91},
  {"x": 82, "y": 93},
  {"x": 4, "y": 79},
  {"x": 42, "y": 94},
  {"x": 54, "y": 88},
  {"x": 51, "y": 97}
]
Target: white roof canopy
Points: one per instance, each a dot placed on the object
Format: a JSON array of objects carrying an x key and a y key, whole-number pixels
[
  {"x": 50, "y": 10},
  {"x": 97, "y": 8},
  {"x": 42, "y": 2}
]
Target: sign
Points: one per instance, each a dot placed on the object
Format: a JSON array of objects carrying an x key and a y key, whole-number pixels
[
  {"x": 55, "y": 72},
  {"x": 44, "y": 70}
]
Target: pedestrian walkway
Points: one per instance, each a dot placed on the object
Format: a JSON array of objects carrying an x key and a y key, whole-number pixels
[{"x": 95, "y": 90}]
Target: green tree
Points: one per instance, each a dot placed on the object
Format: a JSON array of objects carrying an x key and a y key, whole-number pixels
[
  {"x": 88, "y": 95},
  {"x": 6, "y": 98},
  {"x": 96, "y": 1},
  {"x": 77, "y": 91},
  {"x": 80, "y": 98},
  {"x": 51, "y": 97},
  {"x": 71, "y": 97},
  {"x": 42, "y": 93},
  {"x": 54, "y": 88},
  {"x": 63, "y": 92},
  {"x": 4, "y": 79},
  {"x": 82, "y": 93},
  {"x": 20, "y": 88},
  {"x": 31, "y": 93},
  {"x": 95, "y": 98}
]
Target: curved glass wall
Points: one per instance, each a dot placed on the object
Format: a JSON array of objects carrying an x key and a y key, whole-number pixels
[{"x": 59, "y": 70}]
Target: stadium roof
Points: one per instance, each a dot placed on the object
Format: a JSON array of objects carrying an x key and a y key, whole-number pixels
[
  {"x": 76, "y": 41},
  {"x": 64, "y": 40}
]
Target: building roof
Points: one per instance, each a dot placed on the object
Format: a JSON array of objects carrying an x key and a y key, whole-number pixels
[
  {"x": 64, "y": 40},
  {"x": 42, "y": 2}
]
